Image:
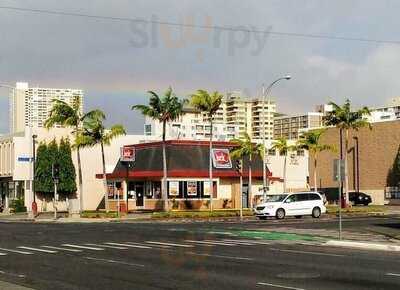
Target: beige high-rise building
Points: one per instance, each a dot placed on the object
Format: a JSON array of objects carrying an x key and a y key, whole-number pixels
[
  {"x": 291, "y": 127},
  {"x": 248, "y": 115},
  {"x": 30, "y": 107}
]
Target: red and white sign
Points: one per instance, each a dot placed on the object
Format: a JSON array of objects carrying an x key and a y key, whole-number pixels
[
  {"x": 221, "y": 158},
  {"x": 128, "y": 154}
]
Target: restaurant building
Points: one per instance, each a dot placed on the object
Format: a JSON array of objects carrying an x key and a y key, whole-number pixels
[{"x": 136, "y": 184}]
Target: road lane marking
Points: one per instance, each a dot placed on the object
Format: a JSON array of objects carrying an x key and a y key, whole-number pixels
[
  {"x": 3, "y": 254},
  {"x": 107, "y": 246},
  {"x": 211, "y": 243},
  {"x": 220, "y": 256},
  {"x": 38, "y": 250},
  {"x": 393, "y": 274},
  {"x": 170, "y": 244},
  {"x": 16, "y": 251},
  {"x": 278, "y": 286},
  {"x": 83, "y": 247},
  {"x": 306, "y": 252},
  {"x": 155, "y": 246},
  {"x": 236, "y": 243},
  {"x": 128, "y": 245},
  {"x": 114, "y": 262},
  {"x": 62, "y": 249}
]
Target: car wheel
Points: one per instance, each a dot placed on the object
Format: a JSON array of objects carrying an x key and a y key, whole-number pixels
[
  {"x": 316, "y": 212},
  {"x": 298, "y": 216},
  {"x": 262, "y": 217},
  {"x": 280, "y": 214},
  {"x": 366, "y": 203}
]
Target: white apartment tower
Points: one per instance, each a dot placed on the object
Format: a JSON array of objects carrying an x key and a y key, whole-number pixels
[
  {"x": 236, "y": 116},
  {"x": 30, "y": 107}
]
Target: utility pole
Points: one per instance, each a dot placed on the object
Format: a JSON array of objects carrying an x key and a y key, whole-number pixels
[
  {"x": 56, "y": 178},
  {"x": 34, "y": 204}
]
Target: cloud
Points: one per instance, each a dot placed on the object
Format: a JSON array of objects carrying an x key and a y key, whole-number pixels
[{"x": 98, "y": 55}]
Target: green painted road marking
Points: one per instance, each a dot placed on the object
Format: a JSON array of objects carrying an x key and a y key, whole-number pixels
[{"x": 275, "y": 236}]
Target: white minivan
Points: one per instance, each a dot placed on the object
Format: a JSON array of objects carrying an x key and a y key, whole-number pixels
[{"x": 291, "y": 204}]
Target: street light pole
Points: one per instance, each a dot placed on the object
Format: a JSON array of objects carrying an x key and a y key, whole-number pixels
[{"x": 265, "y": 92}]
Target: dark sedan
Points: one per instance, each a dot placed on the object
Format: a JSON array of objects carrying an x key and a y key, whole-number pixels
[{"x": 359, "y": 198}]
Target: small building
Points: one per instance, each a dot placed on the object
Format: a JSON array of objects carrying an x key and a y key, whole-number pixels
[{"x": 137, "y": 184}]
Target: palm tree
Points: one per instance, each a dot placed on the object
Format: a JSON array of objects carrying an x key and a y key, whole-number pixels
[
  {"x": 163, "y": 109},
  {"x": 283, "y": 148},
  {"x": 311, "y": 142},
  {"x": 70, "y": 115},
  {"x": 93, "y": 133},
  {"x": 345, "y": 120},
  {"x": 245, "y": 148},
  {"x": 208, "y": 103}
]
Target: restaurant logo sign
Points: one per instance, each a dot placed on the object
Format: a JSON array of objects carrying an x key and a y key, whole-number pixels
[
  {"x": 221, "y": 158},
  {"x": 128, "y": 154}
]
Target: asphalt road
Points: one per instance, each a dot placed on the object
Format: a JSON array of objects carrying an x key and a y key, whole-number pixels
[{"x": 184, "y": 256}]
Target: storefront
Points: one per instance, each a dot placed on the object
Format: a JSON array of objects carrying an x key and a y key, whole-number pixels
[{"x": 136, "y": 183}]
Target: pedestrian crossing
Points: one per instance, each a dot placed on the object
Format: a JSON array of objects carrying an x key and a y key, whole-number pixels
[{"x": 144, "y": 245}]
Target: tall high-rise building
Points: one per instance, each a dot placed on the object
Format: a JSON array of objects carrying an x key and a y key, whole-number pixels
[
  {"x": 237, "y": 115},
  {"x": 30, "y": 107}
]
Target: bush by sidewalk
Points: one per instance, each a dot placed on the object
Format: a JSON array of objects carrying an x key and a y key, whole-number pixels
[
  {"x": 371, "y": 209},
  {"x": 201, "y": 214},
  {"x": 99, "y": 214}
]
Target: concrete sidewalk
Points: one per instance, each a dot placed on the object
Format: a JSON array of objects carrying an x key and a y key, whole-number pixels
[{"x": 364, "y": 245}]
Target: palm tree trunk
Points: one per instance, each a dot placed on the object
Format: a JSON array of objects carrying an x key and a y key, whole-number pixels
[
  {"x": 346, "y": 168},
  {"x": 78, "y": 157},
  {"x": 164, "y": 181},
  {"x": 107, "y": 206},
  {"x": 284, "y": 174},
  {"x": 250, "y": 183},
  {"x": 210, "y": 166},
  {"x": 315, "y": 173}
]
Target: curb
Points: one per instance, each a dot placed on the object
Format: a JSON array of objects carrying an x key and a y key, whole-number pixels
[{"x": 363, "y": 246}]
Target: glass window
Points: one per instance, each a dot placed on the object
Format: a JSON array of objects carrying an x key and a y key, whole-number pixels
[
  {"x": 115, "y": 189},
  {"x": 302, "y": 197},
  {"x": 156, "y": 189},
  {"x": 314, "y": 196}
]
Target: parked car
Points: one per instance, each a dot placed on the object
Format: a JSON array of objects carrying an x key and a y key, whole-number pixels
[
  {"x": 359, "y": 198},
  {"x": 291, "y": 204}
]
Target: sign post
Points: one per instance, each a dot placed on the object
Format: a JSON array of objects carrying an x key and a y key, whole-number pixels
[
  {"x": 56, "y": 178},
  {"x": 338, "y": 170}
]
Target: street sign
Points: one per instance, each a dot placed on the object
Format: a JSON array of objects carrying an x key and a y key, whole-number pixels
[
  {"x": 24, "y": 159},
  {"x": 338, "y": 170}
]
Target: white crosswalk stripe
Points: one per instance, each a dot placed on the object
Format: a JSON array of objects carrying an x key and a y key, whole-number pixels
[
  {"x": 37, "y": 250},
  {"x": 62, "y": 249},
  {"x": 83, "y": 247},
  {"x": 169, "y": 244},
  {"x": 129, "y": 245},
  {"x": 108, "y": 246},
  {"x": 16, "y": 251},
  {"x": 213, "y": 243}
]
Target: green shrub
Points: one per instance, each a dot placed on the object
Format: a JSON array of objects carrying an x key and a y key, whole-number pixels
[{"x": 18, "y": 205}]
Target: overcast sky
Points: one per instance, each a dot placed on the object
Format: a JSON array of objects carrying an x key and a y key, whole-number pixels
[{"x": 116, "y": 62}]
